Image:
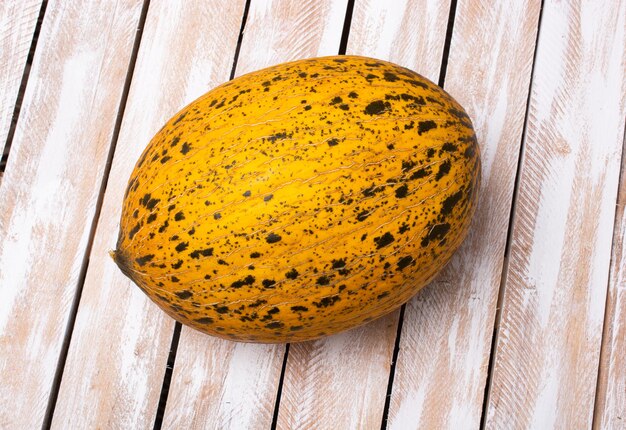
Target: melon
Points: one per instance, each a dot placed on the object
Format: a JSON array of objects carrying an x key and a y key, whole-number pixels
[{"x": 300, "y": 200}]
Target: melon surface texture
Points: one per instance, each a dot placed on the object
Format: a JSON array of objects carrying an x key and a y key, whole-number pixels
[{"x": 300, "y": 200}]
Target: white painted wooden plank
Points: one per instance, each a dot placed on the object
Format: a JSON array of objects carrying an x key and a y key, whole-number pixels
[
  {"x": 280, "y": 31},
  {"x": 446, "y": 338},
  {"x": 547, "y": 351},
  {"x": 117, "y": 357},
  {"x": 17, "y": 24},
  {"x": 341, "y": 381},
  {"x": 235, "y": 385},
  {"x": 50, "y": 189},
  {"x": 610, "y": 407},
  {"x": 218, "y": 383},
  {"x": 408, "y": 32}
]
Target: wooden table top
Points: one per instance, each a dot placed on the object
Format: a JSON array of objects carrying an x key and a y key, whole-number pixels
[{"x": 524, "y": 329}]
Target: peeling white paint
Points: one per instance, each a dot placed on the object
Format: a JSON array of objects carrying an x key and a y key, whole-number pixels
[
  {"x": 387, "y": 28},
  {"x": 409, "y": 413},
  {"x": 496, "y": 121},
  {"x": 17, "y": 21},
  {"x": 544, "y": 262},
  {"x": 39, "y": 213},
  {"x": 544, "y": 412},
  {"x": 452, "y": 340}
]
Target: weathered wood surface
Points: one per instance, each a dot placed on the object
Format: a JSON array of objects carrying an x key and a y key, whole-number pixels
[
  {"x": 559, "y": 354},
  {"x": 236, "y": 385},
  {"x": 550, "y": 330},
  {"x": 49, "y": 191},
  {"x": 17, "y": 21},
  {"x": 278, "y": 31},
  {"x": 117, "y": 358}
]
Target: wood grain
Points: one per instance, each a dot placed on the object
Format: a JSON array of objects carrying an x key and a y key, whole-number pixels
[
  {"x": 548, "y": 344},
  {"x": 341, "y": 381},
  {"x": 50, "y": 189},
  {"x": 117, "y": 357},
  {"x": 235, "y": 386},
  {"x": 17, "y": 21},
  {"x": 446, "y": 337},
  {"x": 610, "y": 407},
  {"x": 280, "y": 31},
  {"x": 408, "y": 32}
]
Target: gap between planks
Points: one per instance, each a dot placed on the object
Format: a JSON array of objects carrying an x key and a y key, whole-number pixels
[
  {"x": 396, "y": 349},
  {"x": 171, "y": 360},
  {"x": 116, "y": 380},
  {"x": 536, "y": 353},
  {"x": 507, "y": 247},
  {"x": 22, "y": 89},
  {"x": 56, "y": 384},
  {"x": 611, "y": 306},
  {"x": 343, "y": 45}
]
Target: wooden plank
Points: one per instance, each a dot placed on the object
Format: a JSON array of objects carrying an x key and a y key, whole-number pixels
[
  {"x": 610, "y": 407},
  {"x": 548, "y": 343},
  {"x": 408, "y": 32},
  {"x": 235, "y": 385},
  {"x": 17, "y": 21},
  {"x": 117, "y": 357},
  {"x": 50, "y": 189},
  {"x": 446, "y": 337},
  {"x": 290, "y": 31},
  {"x": 341, "y": 381}
]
